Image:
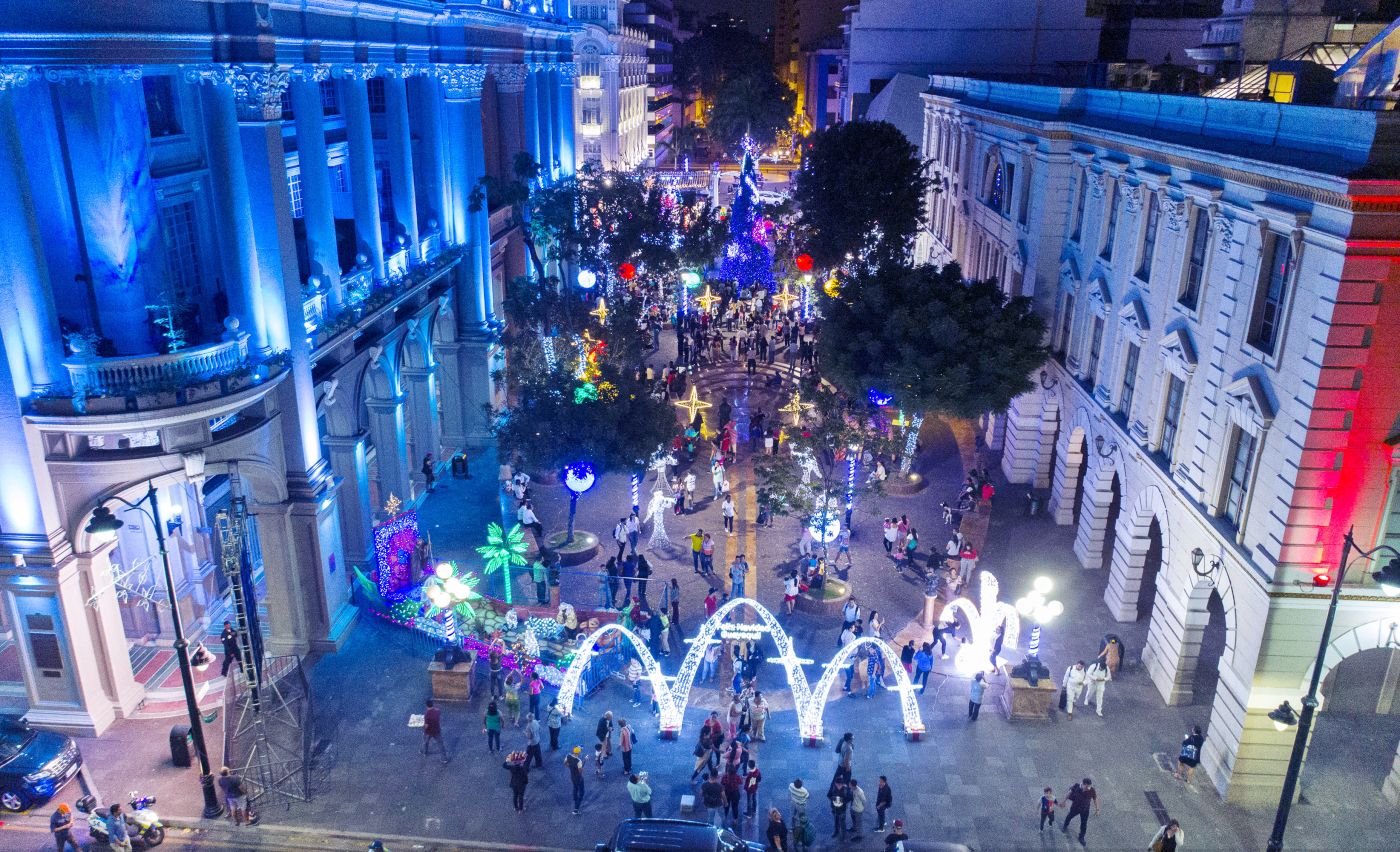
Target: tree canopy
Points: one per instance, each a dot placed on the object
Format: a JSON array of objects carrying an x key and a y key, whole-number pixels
[
  {"x": 861, "y": 193},
  {"x": 931, "y": 340},
  {"x": 702, "y": 64},
  {"x": 750, "y": 103}
]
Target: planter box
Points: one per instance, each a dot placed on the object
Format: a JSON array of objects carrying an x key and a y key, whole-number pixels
[
  {"x": 1022, "y": 702},
  {"x": 828, "y": 605},
  {"x": 453, "y": 684}
]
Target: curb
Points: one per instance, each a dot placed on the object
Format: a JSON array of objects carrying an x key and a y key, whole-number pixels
[{"x": 319, "y": 838}]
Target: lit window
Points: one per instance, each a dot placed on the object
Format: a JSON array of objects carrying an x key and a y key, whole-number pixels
[
  {"x": 294, "y": 187},
  {"x": 330, "y": 101},
  {"x": 375, "y": 89},
  {"x": 995, "y": 193},
  {"x": 1282, "y": 85},
  {"x": 181, "y": 235}
]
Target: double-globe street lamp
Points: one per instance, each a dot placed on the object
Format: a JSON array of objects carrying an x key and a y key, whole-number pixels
[
  {"x": 103, "y": 527},
  {"x": 1284, "y": 717}
]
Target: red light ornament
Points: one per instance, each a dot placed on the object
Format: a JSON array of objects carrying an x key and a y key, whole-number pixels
[
  {"x": 626, "y": 271},
  {"x": 1322, "y": 581},
  {"x": 804, "y": 262}
]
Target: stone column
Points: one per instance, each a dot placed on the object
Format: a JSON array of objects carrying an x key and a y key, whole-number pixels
[
  {"x": 564, "y": 118},
  {"x": 421, "y": 389},
  {"x": 549, "y": 147},
  {"x": 350, "y": 462},
  {"x": 399, "y": 142},
  {"x": 285, "y": 630},
  {"x": 386, "y": 424},
  {"x": 453, "y": 405},
  {"x": 1022, "y": 446},
  {"x": 103, "y": 113},
  {"x": 364, "y": 185},
  {"x": 28, "y": 319},
  {"x": 1093, "y": 526},
  {"x": 461, "y": 86},
  {"x": 1066, "y": 482},
  {"x": 480, "y": 219},
  {"x": 1173, "y": 641},
  {"x": 232, "y": 207},
  {"x": 427, "y": 119},
  {"x": 317, "y": 211},
  {"x": 510, "y": 106},
  {"x": 531, "y": 107}
]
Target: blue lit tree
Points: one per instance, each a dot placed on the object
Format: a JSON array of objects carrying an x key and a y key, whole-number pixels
[{"x": 747, "y": 259}]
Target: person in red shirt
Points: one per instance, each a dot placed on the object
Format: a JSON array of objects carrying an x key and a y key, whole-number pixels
[
  {"x": 432, "y": 729},
  {"x": 751, "y": 779},
  {"x": 711, "y": 603},
  {"x": 732, "y": 784}
]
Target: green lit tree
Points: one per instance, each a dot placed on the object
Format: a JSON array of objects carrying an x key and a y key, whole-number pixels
[{"x": 504, "y": 551}]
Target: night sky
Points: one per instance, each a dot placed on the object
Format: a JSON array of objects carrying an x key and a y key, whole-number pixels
[{"x": 759, "y": 13}]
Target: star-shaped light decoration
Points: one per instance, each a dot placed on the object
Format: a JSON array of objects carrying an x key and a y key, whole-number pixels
[
  {"x": 785, "y": 297},
  {"x": 601, "y": 312},
  {"x": 796, "y": 407},
  {"x": 392, "y": 506},
  {"x": 707, "y": 300},
  {"x": 693, "y": 404}
]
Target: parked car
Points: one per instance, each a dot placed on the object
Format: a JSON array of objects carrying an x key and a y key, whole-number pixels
[
  {"x": 34, "y": 765},
  {"x": 675, "y": 835}
]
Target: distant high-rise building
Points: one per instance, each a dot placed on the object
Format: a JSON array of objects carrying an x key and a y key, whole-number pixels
[
  {"x": 611, "y": 103},
  {"x": 657, "y": 19}
]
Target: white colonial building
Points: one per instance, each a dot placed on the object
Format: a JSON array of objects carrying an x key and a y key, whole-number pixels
[
  {"x": 610, "y": 105},
  {"x": 240, "y": 261},
  {"x": 1221, "y": 285}
]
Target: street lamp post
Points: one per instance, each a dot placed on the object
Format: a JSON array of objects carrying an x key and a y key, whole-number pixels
[
  {"x": 103, "y": 526},
  {"x": 1389, "y": 578}
]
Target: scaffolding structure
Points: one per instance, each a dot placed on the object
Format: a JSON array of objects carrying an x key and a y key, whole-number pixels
[{"x": 268, "y": 705}]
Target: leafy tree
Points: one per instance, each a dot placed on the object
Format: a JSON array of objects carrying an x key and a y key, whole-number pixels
[
  {"x": 702, "y": 64},
  {"x": 821, "y": 445},
  {"x": 515, "y": 191},
  {"x": 931, "y": 340},
  {"x": 861, "y": 192},
  {"x": 752, "y": 103}
]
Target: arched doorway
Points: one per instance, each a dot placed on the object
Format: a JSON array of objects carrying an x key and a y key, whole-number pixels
[
  {"x": 1350, "y": 767},
  {"x": 1211, "y": 648},
  {"x": 1151, "y": 567},
  {"x": 1081, "y": 472},
  {"x": 1115, "y": 507}
]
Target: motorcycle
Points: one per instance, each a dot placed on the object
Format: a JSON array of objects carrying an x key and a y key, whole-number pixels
[{"x": 143, "y": 824}]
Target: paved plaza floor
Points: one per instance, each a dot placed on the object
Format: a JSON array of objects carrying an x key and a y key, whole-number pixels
[{"x": 975, "y": 783}]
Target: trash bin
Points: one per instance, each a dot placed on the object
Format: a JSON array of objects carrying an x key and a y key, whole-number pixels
[
  {"x": 1032, "y": 503},
  {"x": 180, "y": 751},
  {"x": 459, "y": 466}
]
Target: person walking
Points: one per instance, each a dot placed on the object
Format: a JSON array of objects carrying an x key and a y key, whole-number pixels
[
  {"x": 738, "y": 574},
  {"x": 624, "y": 743},
  {"x": 1095, "y": 678},
  {"x": 534, "y": 689},
  {"x": 752, "y": 778},
  {"x": 923, "y": 664},
  {"x": 640, "y": 792},
  {"x": 228, "y": 637},
  {"x": 607, "y": 591},
  {"x": 604, "y": 733},
  {"x": 707, "y": 554},
  {"x": 519, "y": 769},
  {"x": 61, "y": 827},
  {"x": 884, "y": 798},
  {"x": 1071, "y": 685},
  {"x": 843, "y": 547},
  {"x": 733, "y": 784},
  {"x": 974, "y": 696},
  {"x": 836, "y": 797},
  {"x": 709, "y": 663},
  {"x": 620, "y": 536},
  {"x": 850, "y": 614},
  {"x": 726, "y": 511},
  {"x": 1080, "y": 797},
  {"x": 906, "y": 657},
  {"x": 712, "y": 797},
  {"x": 432, "y": 729},
  {"x": 554, "y": 720},
  {"x": 911, "y": 549},
  {"x": 690, "y": 489},
  {"x": 736, "y": 708},
  {"x": 890, "y": 530},
  {"x": 574, "y": 763},
  {"x": 1169, "y": 838},
  {"x": 776, "y": 833},
  {"x": 634, "y": 531},
  {"x": 1190, "y": 755},
  {"x": 1047, "y": 808},
  {"x": 492, "y": 722},
  {"x": 798, "y": 796},
  {"x": 532, "y": 741},
  {"x": 857, "y": 796},
  {"x": 496, "y": 668},
  {"x": 967, "y": 563}
]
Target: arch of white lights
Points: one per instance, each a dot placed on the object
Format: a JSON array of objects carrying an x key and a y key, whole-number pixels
[{"x": 671, "y": 697}]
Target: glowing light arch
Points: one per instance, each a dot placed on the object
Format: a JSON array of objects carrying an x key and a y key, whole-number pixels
[
  {"x": 909, "y": 705},
  {"x": 672, "y": 697},
  {"x": 983, "y": 622},
  {"x": 568, "y": 689}
]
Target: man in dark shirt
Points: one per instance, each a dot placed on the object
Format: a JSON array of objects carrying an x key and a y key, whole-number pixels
[
  {"x": 575, "y": 765},
  {"x": 777, "y": 832},
  {"x": 712, "y": 797},
  {"x": 61, "y": 824},
  {"x": 432, "y": 729},
  {"x": 1080, "y": 797},
  {"x": 229, "y": 638},
  {"x": 837, "y": 797},
  {"x": 896, "y": 837}
]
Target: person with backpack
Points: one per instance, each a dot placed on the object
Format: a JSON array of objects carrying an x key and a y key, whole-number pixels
[
  {"x": 1190, "y": 756},
  {"x": 798, "y": 795},
  {"x": 1047, "y": 808}
]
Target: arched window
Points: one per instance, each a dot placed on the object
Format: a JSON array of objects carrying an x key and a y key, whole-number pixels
[{"x": 995, "y": 194}]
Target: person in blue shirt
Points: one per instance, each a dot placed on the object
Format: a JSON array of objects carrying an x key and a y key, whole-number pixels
[
  {"x": 923, "y": 664},
  {"x": 117, "y": 836}
]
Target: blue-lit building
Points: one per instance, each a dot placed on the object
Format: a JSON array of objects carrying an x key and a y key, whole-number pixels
[{"x": 239, "y": 258}]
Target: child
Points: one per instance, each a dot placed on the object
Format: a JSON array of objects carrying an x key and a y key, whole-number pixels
[
  {"x": 599, "y": 757},
  {"x": 1047, "y": 808}
]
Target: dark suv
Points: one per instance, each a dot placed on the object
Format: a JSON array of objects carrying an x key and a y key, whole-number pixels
[
  {"x": 33, "y": 764},
  {"x": 675, "y": 835}
]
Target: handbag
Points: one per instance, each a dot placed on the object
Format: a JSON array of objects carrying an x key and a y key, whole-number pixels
[
  {"x": 1157, "y": 845},
  {"x": 1064, "y": 698}
]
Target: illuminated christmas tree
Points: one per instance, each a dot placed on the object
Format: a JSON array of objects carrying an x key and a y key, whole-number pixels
[{"x": 748, "y": 258}]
